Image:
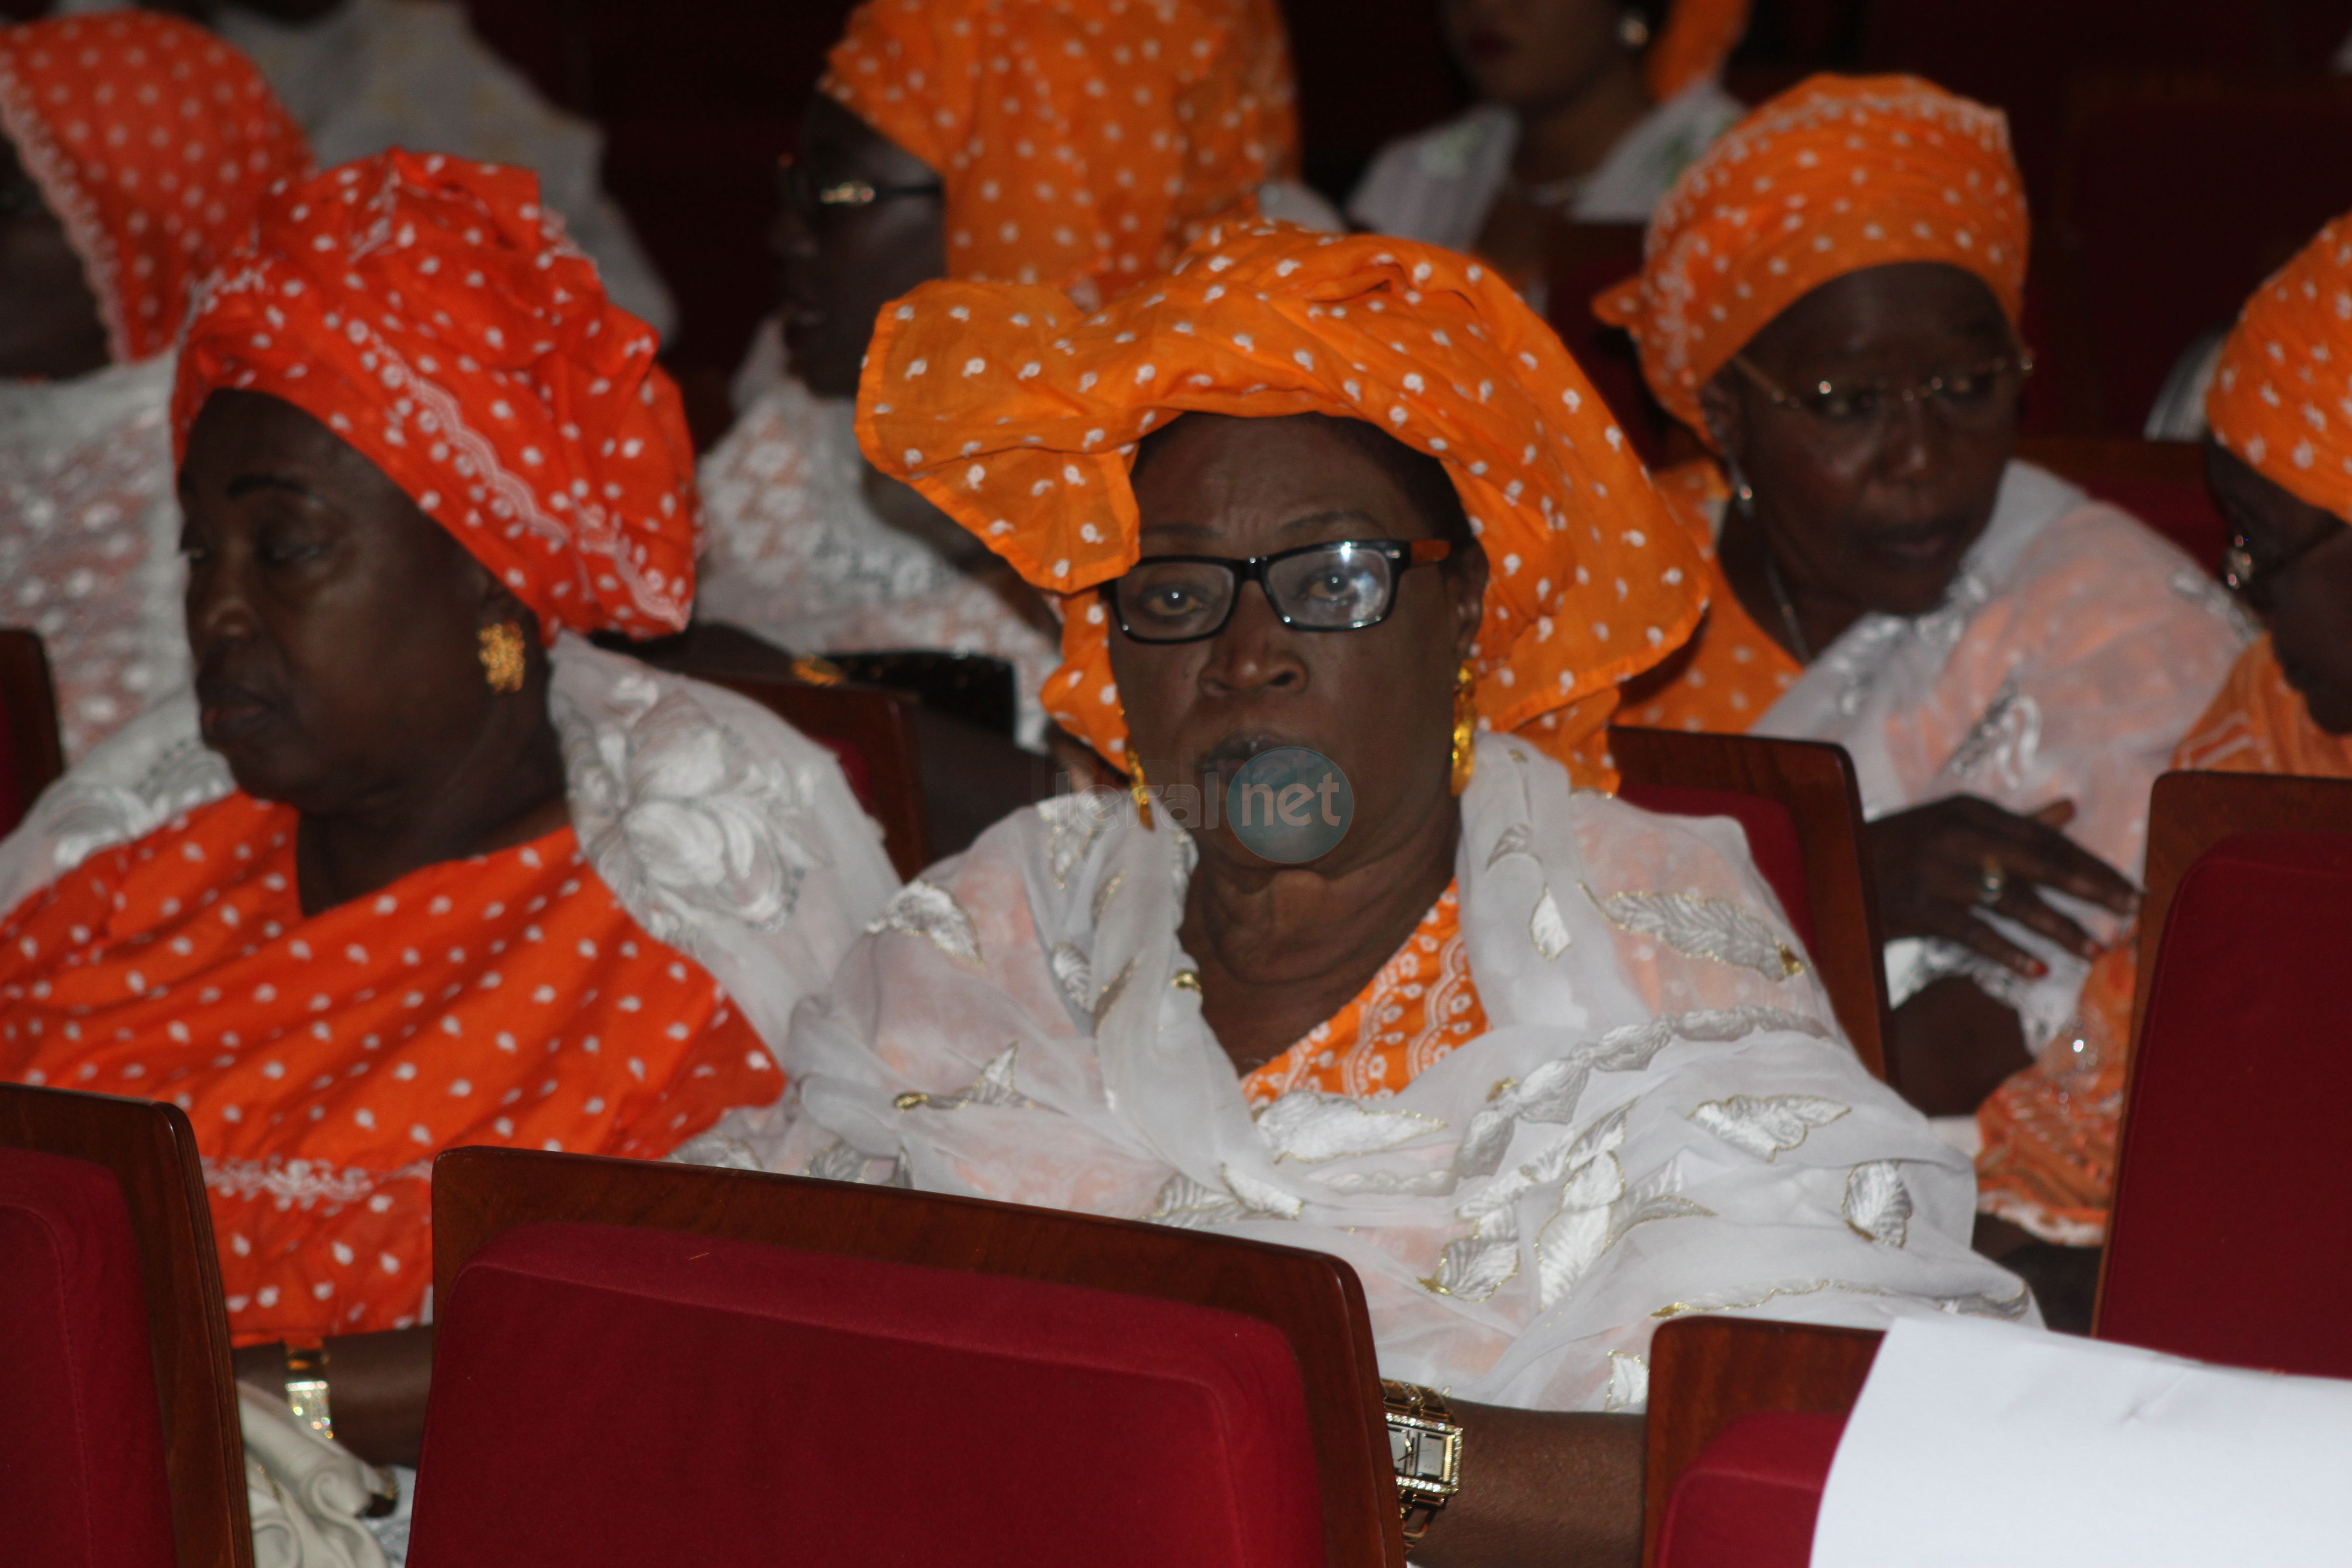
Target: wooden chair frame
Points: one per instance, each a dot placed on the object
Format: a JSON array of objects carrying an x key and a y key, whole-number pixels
[
  {"x": 480, "y": 1193},
  {"x": 152, "y": 1149},
  {"x": 1814, "y": 780},
  {"x": 1708, "y": 1372}
]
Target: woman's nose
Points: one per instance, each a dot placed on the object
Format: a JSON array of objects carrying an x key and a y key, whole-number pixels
[{"x": 1255, "y": 651}]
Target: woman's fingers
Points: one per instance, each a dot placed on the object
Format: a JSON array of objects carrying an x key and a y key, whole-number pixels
[
  {"x": 2037, "y": 853},
  {"x": 1956, "y": 925},
  {"x": 2019, "y": 903}
]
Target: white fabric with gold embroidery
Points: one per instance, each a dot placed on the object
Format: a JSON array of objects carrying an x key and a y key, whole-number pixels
[{"x": 1661, "y": 1118}]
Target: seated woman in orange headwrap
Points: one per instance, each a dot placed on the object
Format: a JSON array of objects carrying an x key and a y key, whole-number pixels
[
  {"x": 1058, "y": 142},
  {"x": 134, "y": 149},
  {"x": 1542, "y": 1067},
  {"x": 1831, "y": 301},
  {"x": 417, "y": 866},
  {"x": 2280, "y": 466}
]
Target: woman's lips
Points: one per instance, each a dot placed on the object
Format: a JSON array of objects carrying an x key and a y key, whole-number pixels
[{"x": 229, "y": 713}]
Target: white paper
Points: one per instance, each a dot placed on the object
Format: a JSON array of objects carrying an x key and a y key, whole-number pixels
[{"x": 1978, "y": 1443}]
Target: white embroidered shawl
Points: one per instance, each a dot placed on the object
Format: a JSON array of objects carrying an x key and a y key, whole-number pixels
[{"x": 1660, "y": 1118}]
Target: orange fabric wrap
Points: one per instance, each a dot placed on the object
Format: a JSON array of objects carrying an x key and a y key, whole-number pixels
[
  {"x": 430, "y": 311},
  {"x": 1836, "y": 174},
  {"x": 1693, "y": 46},
  {"x": 2279, "y": 398},
  {"x": 1077, "y": 141},
  {"x": 1017, "y": 416},
  {"x": 324, "y": 1060},
  {"x": 153, "y": 143}
]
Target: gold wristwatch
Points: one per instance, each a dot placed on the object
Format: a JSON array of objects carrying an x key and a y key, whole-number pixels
[
  {"x": 306, "y": 1385},
  {"x": 1425, "y": 1446}
]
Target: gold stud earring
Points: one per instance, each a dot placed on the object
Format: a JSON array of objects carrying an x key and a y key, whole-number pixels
[
  {"x": 1466, "y": 726},
  {"x": 1140, "y": 790},
  {"x": 501, "y": 653}
]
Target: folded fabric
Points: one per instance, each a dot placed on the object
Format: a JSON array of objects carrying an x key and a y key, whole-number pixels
[{"x": 1978, "y": 1442}]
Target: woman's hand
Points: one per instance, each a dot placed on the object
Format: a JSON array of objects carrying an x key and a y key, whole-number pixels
[{"x": 1942, "y": 866}]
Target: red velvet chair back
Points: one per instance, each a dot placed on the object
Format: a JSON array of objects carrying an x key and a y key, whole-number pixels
[
  {"x": 81, "y": 1436},
  {"x": 170, "y": 1398},
  {"x": 2231, "y": 1239},
  {"x": 767, "y": 1403},
  {"x": 788, "y": 1368},
  {"x": 32, "y": 755},
  {"x": 1744, "y": 1416},
  {"x": 1802, "y": 811}
]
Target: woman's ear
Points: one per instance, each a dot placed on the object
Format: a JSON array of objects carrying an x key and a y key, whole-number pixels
[
  {"x": 1726, "y": 420},
  {"x": 1465, "y": 580}
]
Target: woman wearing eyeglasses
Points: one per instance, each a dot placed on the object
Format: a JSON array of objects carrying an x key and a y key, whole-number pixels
[
  {"x": 2280, "y": 468},
  {"x": 1542, "y": 1067},
  {"x": 1096, "y": 139},
  {"x": 1831, "y": 301}
]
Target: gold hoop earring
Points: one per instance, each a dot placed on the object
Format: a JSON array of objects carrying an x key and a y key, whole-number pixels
[
  {"x": 501, "y": 653},
  {"x": 1140, "y": 790},
  {"x": 1466, "y": 726}
]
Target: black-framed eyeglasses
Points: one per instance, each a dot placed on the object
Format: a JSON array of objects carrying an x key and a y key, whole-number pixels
[
  {"x": 1342, "y": 586},
  {"x": 1972, "y": 396},
  {"x": 811, "y": 201},
  {"x": 2256, "y": 581}
]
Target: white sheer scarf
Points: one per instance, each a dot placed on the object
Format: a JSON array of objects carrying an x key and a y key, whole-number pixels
[
  {"x": 1661, "y": 1118},
  {"x": 2072, "y": 652},
  {"x": 89, "y": 540}
]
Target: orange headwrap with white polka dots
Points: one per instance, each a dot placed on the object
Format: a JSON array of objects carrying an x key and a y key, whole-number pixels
[
  {"x": 431, "y": 312},
  {"x": 2281, "y": 394},
  {"x": 1693, "y": 46},
  {"x": 152, "y": 142},
  {"x": 1018, "y": 414},
  {"x": 1078, "y": 139},
  {"x": 1836, "y": 174}
]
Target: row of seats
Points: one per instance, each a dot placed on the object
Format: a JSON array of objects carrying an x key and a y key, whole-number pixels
[{"x": 862, "y": 1371}]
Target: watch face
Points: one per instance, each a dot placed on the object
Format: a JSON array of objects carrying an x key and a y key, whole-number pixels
[{"x": 1427, "y": 1455}]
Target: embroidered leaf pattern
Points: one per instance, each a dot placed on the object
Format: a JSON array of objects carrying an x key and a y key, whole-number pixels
[
  {"x": 1309, "y": 1125},
  {"x": 1715, "y": 929},
  {"x": 1877, "y": 1204},
  {"x": 1767, "y": 1125},
  {"x": 929, "y": 910}
]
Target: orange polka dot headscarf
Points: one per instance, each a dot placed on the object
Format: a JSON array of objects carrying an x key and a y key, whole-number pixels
[
  {"x": 152, "y": 142},
  {"x": 1078, "y": 139},
  {"x": 2282, "y": 393},
  {"x": 1017, "y": 414},
  {"x": 430, "y": 311},
  {"x": 1837, "y": 174}
]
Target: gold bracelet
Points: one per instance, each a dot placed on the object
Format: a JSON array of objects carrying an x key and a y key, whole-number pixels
[
  {"x": 1425, "y": 1446},
  {"x": 306, "y": 1386}
]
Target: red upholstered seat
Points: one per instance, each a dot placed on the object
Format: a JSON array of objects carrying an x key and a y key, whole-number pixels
[
  {"x": 607, "y": 1394},
  {"x": 1771, "y": 837},
  {"x": 1750, "y": 1498},
  {"x": 81, "y": 1433},
  {"x": 2231, "y": 1235}
]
